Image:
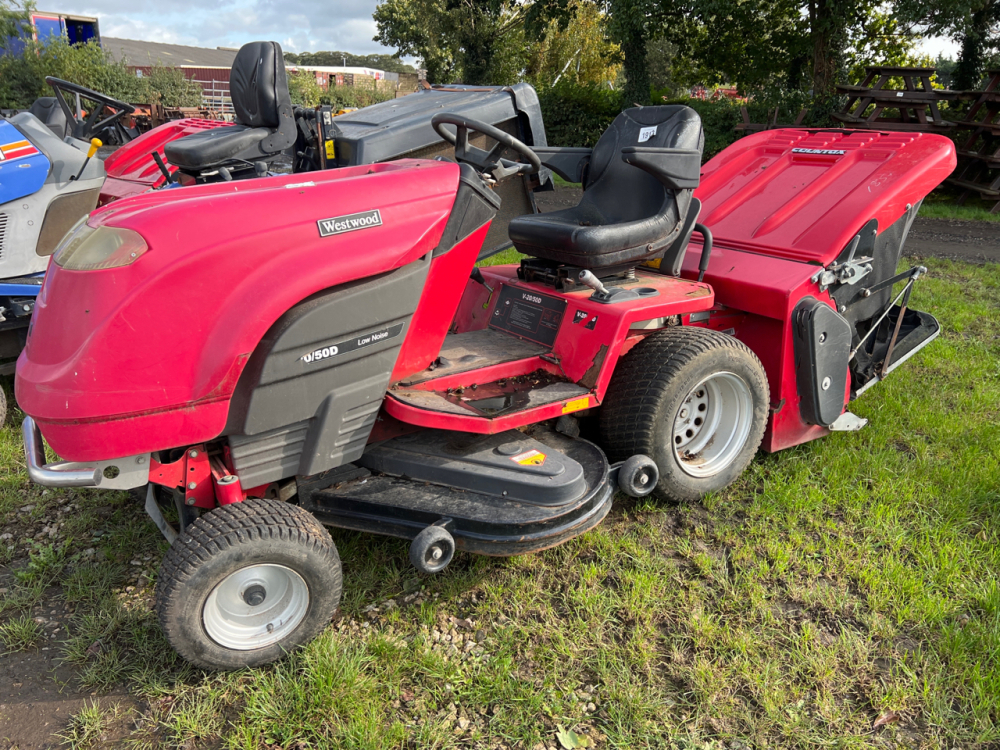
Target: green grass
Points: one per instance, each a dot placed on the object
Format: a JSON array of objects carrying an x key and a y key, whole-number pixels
[
  {"x": 941, "y": 205},
  {"x": 844, "y": 580},
  {"x": 20, "y": 633},
  {"x": 510, "y": 255},
  {"x": 88, "y": 728},
  {"x": 560, "y": 182}
]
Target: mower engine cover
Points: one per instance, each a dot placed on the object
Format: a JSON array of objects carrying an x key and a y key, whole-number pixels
[
  {"x": 146, "y": 355},
  {"x": 802, "y": 195}
]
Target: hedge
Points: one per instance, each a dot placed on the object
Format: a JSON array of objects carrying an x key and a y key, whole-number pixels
[
  {"x": 577, "y": 115},
  {"x": 22, "y": 77}
]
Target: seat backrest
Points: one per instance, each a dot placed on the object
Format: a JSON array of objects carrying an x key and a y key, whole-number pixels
[
  {"x": 47, "y": 109},
  {"x": 622, "y": 192},
  {"x": 258, "y": 85}
]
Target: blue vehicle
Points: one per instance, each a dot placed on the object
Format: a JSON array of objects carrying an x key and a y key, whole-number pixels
[{"x": 49, "y": 180}]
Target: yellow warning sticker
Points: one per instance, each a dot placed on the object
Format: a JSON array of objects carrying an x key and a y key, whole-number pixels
[
  {"x": 330, "y": 153},
  {"x": 529, "y": 458},
  {"x": 576, "y": 404}
]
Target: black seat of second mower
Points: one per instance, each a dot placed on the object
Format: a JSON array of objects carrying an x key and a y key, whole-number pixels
[
  {"x": 47, "y": 109},
  {"x": 265, "y": 125},
  {"x": 626, "y": 214}
]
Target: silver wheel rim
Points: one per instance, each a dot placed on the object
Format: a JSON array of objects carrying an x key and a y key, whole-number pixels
[
  {"x": 712, "y": 424},
  {"x": 255, "y": 607}
]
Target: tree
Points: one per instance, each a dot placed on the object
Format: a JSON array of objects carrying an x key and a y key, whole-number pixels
[
  {"x": 979, "y": 38},
  {"x": 303, "y": 89},
  {"x": 22, "y": 77},
  {"x": 476, "y": 40},
  {"x": 975, "y": 24},
  {"x": 419, "y": 27},
  {"x": 15, "y": 20},
  {"x": 169, "y": 87},
  {"x": 754, "y": 44},
  {"x": 772, "y": 45},
  {"x": 579, "y": 52},
  {"x": 628, "y": 28},
  {"x": 883, "y": 39}
]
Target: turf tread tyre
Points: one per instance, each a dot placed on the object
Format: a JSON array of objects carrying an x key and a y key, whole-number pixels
[
  {"x": 648, "y": 378},
  {"x": 236, "y": 531}
]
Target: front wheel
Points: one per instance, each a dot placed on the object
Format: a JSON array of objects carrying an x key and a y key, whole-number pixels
[
  {"x": 693, "y": 399},
  {"x": 246, "y": 583}
]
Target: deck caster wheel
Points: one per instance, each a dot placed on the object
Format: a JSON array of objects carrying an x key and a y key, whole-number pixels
[
  {"x": 432, "y": 549},
  {"x": 247, "y": 583},
  {"x": 694, "y": 400},
  {"x": 638, "y": 476}
]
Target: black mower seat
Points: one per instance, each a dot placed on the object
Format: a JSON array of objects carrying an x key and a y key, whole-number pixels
[
  {"x": 637, "y": 192},
  {"x": 265, "y": 125},
  {"x": 213, "y": 147},
  {"x": 47, "y": 109}
]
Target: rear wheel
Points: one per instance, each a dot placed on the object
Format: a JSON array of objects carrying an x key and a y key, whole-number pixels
[
  {"x": 246, "y": 583},
  {"x": 695, "y": 400}
]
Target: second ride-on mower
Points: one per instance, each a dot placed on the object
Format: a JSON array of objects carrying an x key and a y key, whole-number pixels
[
  {"x": 50, "y": 178},
  {"x": 270, "y": 356}
]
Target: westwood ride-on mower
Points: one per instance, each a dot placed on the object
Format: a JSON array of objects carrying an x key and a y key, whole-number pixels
[
  {"x": 51, "y": 176},
  {"x": 270, "y": 356}
]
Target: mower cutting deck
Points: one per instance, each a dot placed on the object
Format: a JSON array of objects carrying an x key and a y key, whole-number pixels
[{"x": 331, "y": 355}]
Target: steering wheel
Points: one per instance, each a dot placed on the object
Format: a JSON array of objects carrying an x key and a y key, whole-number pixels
[
  {"x": 485, "y": 161},
  {"x": 92, "y": 126}
]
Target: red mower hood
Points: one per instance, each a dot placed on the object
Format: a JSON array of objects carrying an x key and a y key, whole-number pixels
[
  {"x": 804, "y": 194},
  {"x": 169, "y": 334}
]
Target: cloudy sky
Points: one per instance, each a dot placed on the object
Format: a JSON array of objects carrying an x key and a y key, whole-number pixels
[{"x": 299, "y": 25}]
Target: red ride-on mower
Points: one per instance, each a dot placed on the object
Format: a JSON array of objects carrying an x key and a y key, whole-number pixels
[{"x": 271, "y": 356}]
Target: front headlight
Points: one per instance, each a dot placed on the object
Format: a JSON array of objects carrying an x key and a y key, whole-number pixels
[{"x": 87, "y": 249}]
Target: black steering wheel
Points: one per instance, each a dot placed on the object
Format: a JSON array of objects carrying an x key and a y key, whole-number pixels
[
  {"x": 93, "y": 126},
  {"x": 485, "y": 161}
]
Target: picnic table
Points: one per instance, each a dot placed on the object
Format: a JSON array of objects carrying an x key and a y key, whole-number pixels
[
  {"x": 772, "y": 122},
  {"x": 914, "y": 107},
  {"x": 979, "y": 154}
]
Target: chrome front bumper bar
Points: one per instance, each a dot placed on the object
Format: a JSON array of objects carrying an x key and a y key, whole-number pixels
[{"x": 113, "y": 474}]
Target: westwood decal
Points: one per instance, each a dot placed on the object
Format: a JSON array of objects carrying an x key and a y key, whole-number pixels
[{"x": 349, "y": 223}]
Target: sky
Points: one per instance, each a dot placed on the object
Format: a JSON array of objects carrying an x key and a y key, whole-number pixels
[
  {"x": 299, "y": 25},
  {"x": 938, "y": 46}
]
